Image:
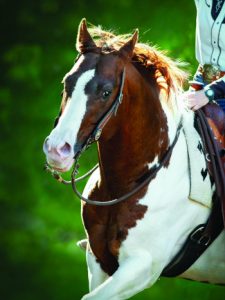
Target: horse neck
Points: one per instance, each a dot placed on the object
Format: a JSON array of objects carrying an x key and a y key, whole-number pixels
[{"x": 135, "y": 138}]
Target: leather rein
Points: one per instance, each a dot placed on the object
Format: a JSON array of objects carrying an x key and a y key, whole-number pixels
[{"x": 94, "y": 137}]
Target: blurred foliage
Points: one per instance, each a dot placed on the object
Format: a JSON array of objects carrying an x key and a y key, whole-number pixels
[{"x": 40, "y": 219}]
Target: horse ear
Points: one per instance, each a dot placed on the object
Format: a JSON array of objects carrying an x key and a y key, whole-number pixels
[
  {"x": 128, "y": 48},
  {"x": 84, "y": 39}
]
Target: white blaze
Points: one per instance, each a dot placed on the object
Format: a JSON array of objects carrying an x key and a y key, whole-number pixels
[{"x": 70, "y": 121}]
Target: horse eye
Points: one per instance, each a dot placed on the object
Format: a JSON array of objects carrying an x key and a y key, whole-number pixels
[{"x": 106, "y": 94}]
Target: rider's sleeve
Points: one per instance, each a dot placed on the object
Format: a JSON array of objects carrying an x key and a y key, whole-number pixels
[{"x": 218, "y": 86}]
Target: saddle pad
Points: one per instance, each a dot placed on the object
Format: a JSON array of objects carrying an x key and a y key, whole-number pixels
[{"x": 201, "y": 189}]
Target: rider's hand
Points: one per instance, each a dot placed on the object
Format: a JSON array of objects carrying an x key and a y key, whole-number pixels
[{"x": 195, "y": 99}]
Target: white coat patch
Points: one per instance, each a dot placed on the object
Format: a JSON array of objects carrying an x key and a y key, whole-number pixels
[{"x": 71, "y": 119}]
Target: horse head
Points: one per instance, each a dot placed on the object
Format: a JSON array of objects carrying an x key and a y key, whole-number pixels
[{"x": 90, "y": 88}]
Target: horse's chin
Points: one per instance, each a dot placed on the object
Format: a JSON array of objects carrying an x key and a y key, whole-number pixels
[{"x": 61, "y": 167}]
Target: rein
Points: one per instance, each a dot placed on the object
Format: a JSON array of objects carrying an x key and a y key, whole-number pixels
[
  {"x": 153, "y": 171},
  {"x": 94, "y": 137}
]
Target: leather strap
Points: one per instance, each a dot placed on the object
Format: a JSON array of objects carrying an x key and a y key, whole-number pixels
[
  {"x": 112, "y": 111},
  {"x": 196, "y": 244},
  {"x": 214, "y": 164}
]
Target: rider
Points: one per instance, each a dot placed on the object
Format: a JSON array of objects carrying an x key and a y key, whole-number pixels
[{"x": 209, "y": 80}]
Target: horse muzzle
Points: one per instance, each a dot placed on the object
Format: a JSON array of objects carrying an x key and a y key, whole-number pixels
[{"x": 60, "y": 157}]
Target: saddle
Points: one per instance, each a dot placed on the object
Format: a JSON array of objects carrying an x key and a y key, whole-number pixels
[{"x": 210, "y": 121}]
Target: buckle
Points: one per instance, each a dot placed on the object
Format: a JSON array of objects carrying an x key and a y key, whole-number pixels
[
  {"x": 98, "y": 134},
  {"x": 210, "y": 73},
  {"x": 198, "y": 238},
  {"x": 207, "y": 157}
]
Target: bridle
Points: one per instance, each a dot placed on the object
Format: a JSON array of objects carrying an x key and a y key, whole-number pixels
[{"x": 94, "y": 137}]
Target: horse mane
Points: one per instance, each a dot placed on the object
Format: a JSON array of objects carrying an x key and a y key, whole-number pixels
[{"x": 148, "y": 56}]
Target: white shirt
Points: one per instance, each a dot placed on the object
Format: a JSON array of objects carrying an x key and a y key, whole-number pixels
[{"x": 210, "y": 32}]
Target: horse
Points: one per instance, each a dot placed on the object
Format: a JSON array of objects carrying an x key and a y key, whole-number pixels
[{"x": 135, "y": 89}]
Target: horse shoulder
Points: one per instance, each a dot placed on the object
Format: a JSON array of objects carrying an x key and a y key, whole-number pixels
[
  {"x": 96, "y": 222},
  {"x": 107, "y": 227}
]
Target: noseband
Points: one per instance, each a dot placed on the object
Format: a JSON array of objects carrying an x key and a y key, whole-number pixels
[{"x": 94, "y": 137}]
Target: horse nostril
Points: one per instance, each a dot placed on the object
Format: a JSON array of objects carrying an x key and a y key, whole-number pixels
[{"x": 65, "y": 150}]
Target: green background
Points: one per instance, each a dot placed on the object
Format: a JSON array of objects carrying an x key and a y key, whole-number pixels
[{"x": 40, "y": 219}]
